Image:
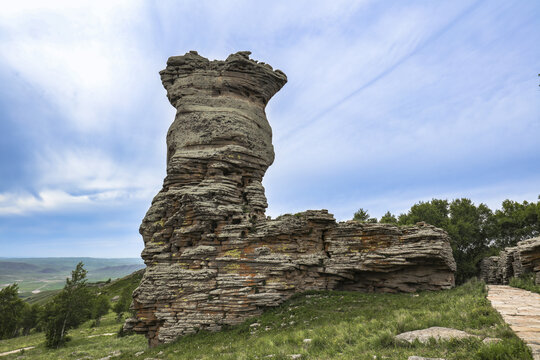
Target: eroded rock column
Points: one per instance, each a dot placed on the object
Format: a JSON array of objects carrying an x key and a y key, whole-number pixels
[{"x": 218, "y": 149}]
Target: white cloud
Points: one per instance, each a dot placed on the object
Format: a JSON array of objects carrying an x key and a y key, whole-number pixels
[{"x": 46, "y": 200}]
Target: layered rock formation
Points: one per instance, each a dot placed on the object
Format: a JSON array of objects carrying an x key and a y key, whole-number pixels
[
  {"x": 212, "y": 256},
  {"x": 512, "y": 262},
  {"x": 529, "y": 256}
]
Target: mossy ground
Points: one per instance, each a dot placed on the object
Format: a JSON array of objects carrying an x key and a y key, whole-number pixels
[{"x": 341, "y": 325}]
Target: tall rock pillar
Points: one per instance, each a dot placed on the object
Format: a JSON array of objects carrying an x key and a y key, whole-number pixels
[{"x": 218, "y": 149}]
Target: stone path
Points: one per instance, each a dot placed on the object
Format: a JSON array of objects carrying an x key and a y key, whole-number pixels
[{"x": 521, "y": 310}]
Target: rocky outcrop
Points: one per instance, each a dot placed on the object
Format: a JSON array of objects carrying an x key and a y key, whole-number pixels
[
  {"x": 512, "y": 262},
  {"x": 212, "y": 257},
  {"x": 529, "y": 257}
]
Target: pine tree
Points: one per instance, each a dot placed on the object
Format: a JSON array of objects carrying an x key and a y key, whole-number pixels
[
  {"x": 72, "y": 306},
  {"x": 11, "y": 308}
]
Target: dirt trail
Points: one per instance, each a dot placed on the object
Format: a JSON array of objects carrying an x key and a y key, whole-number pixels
[
  {"x": 16, "y": 351},
  {"x": 521, "y": 310},
  {"x": 105, "y": 334}
]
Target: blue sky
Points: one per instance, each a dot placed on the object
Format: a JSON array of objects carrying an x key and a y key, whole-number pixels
[{"x": 388, "y": 103}]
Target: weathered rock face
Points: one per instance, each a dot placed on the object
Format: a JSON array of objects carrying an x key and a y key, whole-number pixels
[
  {"x": 529, "y": 255},
  {"x": 488, "y": 269},
  {"x": 212, "y": 257},
  {"x": 512, "y": 262}
]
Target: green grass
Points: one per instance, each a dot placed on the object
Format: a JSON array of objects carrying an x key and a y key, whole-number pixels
[
  {"x": 341, "y": 325},
  {"x": 526, "y": 282},
  {"x": 81, "y": 344}
]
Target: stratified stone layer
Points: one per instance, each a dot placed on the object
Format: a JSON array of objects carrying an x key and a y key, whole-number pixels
[
  {"x": 212, "y": 257},
  {"x": 513, "y": 262},
  {"x": 529, "y": 256}
]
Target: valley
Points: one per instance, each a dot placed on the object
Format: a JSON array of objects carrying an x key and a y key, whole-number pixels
[{"x": 39, "y": 276}]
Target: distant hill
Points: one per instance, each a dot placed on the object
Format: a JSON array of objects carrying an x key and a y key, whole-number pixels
[
  {"x": 13, "y": 267},
  {"x": 113, "y": 272},
  {"x": 36, "y": 275}
]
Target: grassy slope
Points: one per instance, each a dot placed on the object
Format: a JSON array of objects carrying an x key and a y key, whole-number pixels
[
  {"x": 41, "y": 298},
  {"x": 341, "y": 325}
]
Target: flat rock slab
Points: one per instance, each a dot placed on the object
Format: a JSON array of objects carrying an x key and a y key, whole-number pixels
[
  {"x": 435, "y": 332},
  {"x": 521, "y": 310}
]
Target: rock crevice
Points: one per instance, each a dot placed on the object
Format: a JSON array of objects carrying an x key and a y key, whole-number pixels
[{"x": 212, "y": 256}]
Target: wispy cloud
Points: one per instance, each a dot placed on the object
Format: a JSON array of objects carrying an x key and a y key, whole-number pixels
[
  {"x": 80, "y": 56},
  {"x": 93, "y": 170},
  {"x": 408, "y": 23}
]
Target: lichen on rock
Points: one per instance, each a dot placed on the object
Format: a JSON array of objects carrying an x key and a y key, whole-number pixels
[{"x": 212, "y": 256}]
